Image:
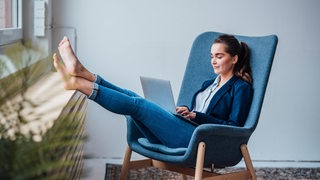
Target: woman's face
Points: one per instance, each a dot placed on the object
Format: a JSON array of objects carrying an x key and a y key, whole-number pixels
[{"x": 222, "y": 62}]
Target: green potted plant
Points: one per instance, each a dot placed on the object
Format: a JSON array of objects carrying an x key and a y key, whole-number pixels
[{"x": 30, "y": 148}]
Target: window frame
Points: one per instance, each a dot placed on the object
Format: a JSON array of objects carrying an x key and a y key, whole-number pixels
[{"x": 10, "y": 35}]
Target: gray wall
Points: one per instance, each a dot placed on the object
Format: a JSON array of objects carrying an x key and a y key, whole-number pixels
[{"x": 123, "y": 39}]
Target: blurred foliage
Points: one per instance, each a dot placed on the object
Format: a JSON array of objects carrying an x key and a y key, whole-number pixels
[{"x": 33, "y": 156}]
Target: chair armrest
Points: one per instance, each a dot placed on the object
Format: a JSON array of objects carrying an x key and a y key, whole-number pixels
[
  {"x": 133, "y": 134},
  {"x": 222, "y": 130},
  {"x": 224, "y": 135}
]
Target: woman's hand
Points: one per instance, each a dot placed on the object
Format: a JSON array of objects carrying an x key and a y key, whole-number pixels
[{"x": 185, "y": 112}]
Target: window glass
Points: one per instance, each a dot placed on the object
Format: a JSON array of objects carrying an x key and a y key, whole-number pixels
[
  {"x": 6, "y": 14},
  {"x": 10, "y": 21}
]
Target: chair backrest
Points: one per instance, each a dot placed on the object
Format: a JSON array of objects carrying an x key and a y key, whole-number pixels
[{"x": 199, "y": 69}]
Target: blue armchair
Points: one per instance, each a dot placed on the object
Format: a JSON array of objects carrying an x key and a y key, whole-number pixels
[{"x": 211, "y": 144}]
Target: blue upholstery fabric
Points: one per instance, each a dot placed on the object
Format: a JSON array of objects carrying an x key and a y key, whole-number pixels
[
  {"x": 222, "y": 142},
  {"x": 161, "y": 148}
]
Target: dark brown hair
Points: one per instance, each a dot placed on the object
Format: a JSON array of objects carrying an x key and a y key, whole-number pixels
[{"x": 234, "y": 47}]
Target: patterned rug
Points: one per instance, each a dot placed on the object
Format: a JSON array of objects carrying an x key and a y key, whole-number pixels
[{"x": 113, "y": 173}]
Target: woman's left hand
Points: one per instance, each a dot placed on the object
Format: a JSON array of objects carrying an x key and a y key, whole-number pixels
[{"x": 190, "y": 115}]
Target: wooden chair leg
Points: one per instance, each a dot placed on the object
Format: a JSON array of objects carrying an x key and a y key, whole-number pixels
[
  {"x": 248, "y": 162},
  {"x": 126, "y": 163},
  {"x": 200, "y": 161}
]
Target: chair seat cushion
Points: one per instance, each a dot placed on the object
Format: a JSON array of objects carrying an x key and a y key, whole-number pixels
[{"x": 161, "y": 148}]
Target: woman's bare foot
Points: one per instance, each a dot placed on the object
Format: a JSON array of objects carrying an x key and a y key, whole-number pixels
[
  {"x": 72, "y": 82},
  {"x": 68, "y": 80},
  {"x": 72, "y": 64}
]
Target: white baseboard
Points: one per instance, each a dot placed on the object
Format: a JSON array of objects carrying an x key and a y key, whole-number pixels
[
  {"x": 282, "y": 164},
  {"x": 256, "y": 163}
]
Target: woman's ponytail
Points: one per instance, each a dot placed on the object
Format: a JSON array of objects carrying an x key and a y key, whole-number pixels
[{"x": 242, "y": 68}]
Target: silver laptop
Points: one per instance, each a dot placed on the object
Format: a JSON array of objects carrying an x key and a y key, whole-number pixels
[{"x": 160, "y": 92}]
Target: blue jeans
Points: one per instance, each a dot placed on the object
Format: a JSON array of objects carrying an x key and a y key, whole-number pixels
[{"x": 156, "y": 123}]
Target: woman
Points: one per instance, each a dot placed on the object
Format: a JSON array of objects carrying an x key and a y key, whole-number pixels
[{"x": 224, "y": 100}]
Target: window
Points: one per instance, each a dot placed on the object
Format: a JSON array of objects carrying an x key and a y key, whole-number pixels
[
  {"x": 10, "y": 32},
  {"x": 6, "y": 14},
  {"x": 10, "y": 21}
]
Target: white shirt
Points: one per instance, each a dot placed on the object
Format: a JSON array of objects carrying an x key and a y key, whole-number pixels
[{"x": 203, "y": 98}]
